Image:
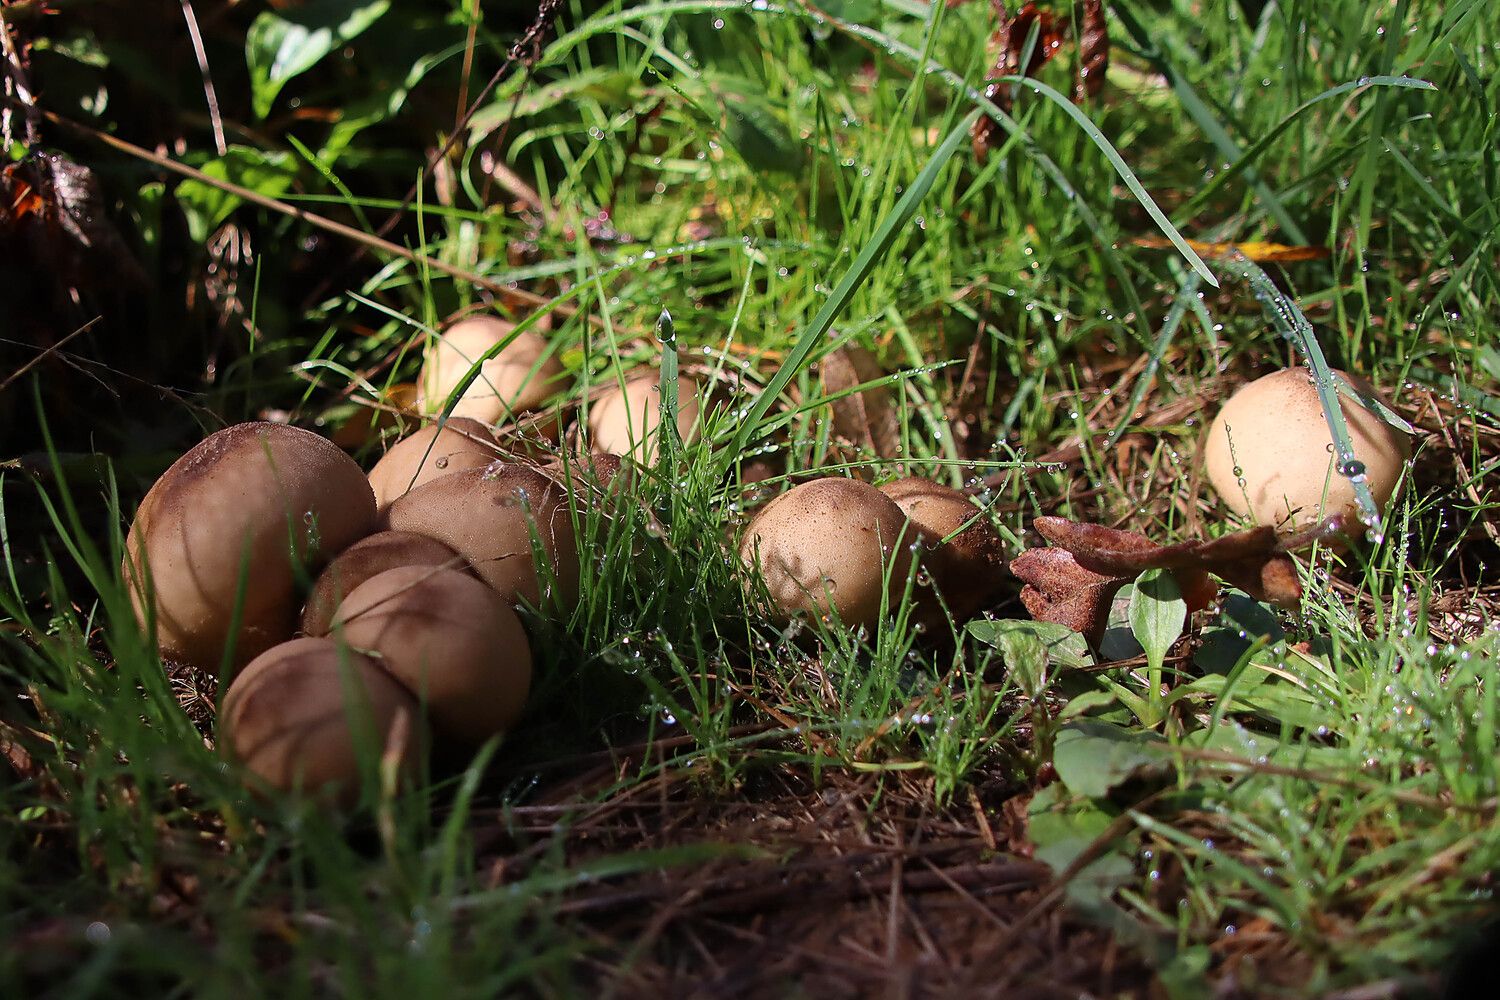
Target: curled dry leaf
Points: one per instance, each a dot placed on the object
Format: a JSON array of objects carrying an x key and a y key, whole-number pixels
[
  {"x": 1010, "y": 41},
  {"x": 867, "y": 418},
  {"x": 1074, "y": 582},
  {"x": 54, "y": 208},
  {"x": 1093, "y": 50}
]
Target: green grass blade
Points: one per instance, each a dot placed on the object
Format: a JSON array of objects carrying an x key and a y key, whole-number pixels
[
  {"x": 1293, "y": 325},
  {"x": 885, "y": 237},
  {"x": 1243, "y": 162}
]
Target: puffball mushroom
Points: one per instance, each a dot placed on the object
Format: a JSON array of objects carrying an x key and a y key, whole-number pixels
[
  {"x": 969, "y": 568},
  {"x": 450, "y": 640},
  {"x": 251, "y": 506},
  {"x": 367, "y": 558},
  {"x": 598, "y": 472},
  {"x": 487, "y": 516},
  {"x": 433, "y": 451},
  {"x": 626, "y": 420},
  {"x": 521, "y": 377},
  {"x": 298, "y": 716},
  {"x": 1270, "y": 456},
  {"x": 825, "y": 546}
]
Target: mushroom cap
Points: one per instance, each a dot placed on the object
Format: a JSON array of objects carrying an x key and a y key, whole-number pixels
[
  {"x": 287, "y": 718},
  {"x": 369, "y": 557},
  {"x": 1272, "y": 435},
  {"x": 597, "y": 473},
  {"x": 266, "y": 499},
  {"x": 523, "y": 376},
  {"x": 970, "y": 567},
  {"x": 450, "y": 640},
  {"x": 824, "y": 546},
  {"x": 624, "y": 420},
  {"x": 485, "y": 515},
  {"x": 433, "y": 451}
]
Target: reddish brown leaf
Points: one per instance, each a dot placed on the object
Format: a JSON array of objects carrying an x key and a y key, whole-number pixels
[
  {"x": 1093, "y": 49},
  {"x": 867, "y": 418},
  {"x": 1073, "y": 582},
  {"x": 1009, "y": 43},
  {"x": 1059, "y": 590}
]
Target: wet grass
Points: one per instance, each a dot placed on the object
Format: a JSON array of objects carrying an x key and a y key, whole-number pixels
[{"x": 1320, "y": 811}]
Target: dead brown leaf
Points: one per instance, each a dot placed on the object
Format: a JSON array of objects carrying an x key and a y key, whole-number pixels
[
  {"x": 1073, "y": 582},
  {"x": 867, "y": 418}
]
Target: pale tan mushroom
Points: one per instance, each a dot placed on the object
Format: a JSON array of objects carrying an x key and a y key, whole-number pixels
[
  {"x": 246, "y": 513},
  {"x": 831, "y": 545},
  {"x": 433, "y": 451},
  {"x": 369, "y": 557},
  {"x": 300, "y": 716},
  {"x": 488, "y": 516},
  {"x": 450, "y": 640},
  {"x": 1269, "y": 453},
  {"x": 626, "y": 420},
  {"x": 521, "y": 377}
]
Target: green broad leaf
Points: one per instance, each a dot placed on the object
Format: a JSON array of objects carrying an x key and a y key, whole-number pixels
[
  {"x": 1185, "y": 975},
  {"x": 1062, "y": 827},
  {"x": 762, "y": 141},
  {"x": 1132, "y": 700},
  {"x": 852, "y": 11},
  {"x": 1060, "y": 644},
  {"x": 1031, "y": 649},
  {"x": 1088, "y": 702},
  {"x": 207, "y": 207},
  {"x": 1157, "y": 614},
  {"x": 283, "y": 44},
  {"x": 1244, "y": 624},
  {"x": 1092, "y": 757}
]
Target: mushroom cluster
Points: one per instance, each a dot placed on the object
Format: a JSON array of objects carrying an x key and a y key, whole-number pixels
[
  {"x": 840, "y": 549},
  {"x": 360, "y": 615}
]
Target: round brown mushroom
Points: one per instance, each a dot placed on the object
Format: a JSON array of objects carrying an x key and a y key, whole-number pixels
[
  {"x": 521, "y": 377},
  {"x": 288, "y": 719},
  {"x": 626, "y": 419},
  {"x": 369, "y": 557},
  {"x": 1269, "y": 453},
  {"x": 433, "y": 451},
  {"x": 969, "y": 567},
  {"x": 597, "y": 473},
  {"x": 831, "y": 545},
  {"x": 251, "y": 509},
  {"x": 488, "y": 516},
  {"x": 450, "y": 640}
]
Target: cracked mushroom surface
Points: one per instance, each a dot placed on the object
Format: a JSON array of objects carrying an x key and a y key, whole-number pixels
[
  {"x": 824, "y": 547},
  {"x": 253, "y": 507},
  {"x": 1269, "y": 454}
]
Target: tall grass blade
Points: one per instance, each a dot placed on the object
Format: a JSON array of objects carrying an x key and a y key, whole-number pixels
[{"x": 892, "y": 226}]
